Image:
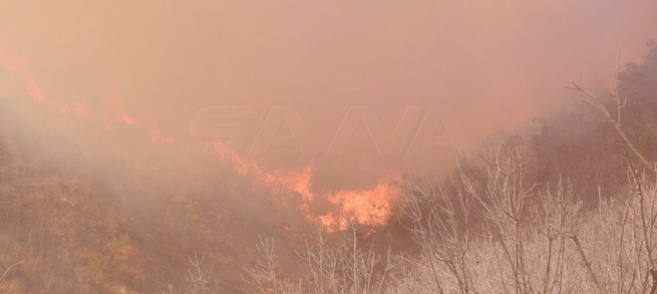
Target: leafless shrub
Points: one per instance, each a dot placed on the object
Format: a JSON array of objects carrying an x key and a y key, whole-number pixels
[
  {"x": 198, "y": 280},
  {"x": 518, "y": 247},
  {"x": 342, "y": 268},
  {"x": 532, "y": 239},
  {"x": 265, "y": 277},
  {"x": 441, "y": 228},
  {"x": 4, "y": 288},
  {"x": 500, "y": 234}
]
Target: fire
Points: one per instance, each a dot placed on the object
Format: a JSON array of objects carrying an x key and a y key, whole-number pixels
[
  {"x": 16, "y": 65},
  {"x": 371, "y": 207},
  {"x": 297, "y": 181},
  {"x": 35, "y": 90},
  {"x": 127, "y": 119},
  {"x": 368, "y": 206},
  {"x": 280, "y": 180},
  {"x": 113, "y": 113}
]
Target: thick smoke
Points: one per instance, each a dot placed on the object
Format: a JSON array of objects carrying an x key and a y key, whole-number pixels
[
  {"x": 112, "y": 93},
  {"x": 96, "y": 82}
]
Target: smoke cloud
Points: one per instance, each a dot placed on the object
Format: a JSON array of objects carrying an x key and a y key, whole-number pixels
[{"x": 94, "y": 84}]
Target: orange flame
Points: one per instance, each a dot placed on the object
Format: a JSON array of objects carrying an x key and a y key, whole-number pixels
[
  {"x": 16, "y": 65},
  {"x": 371, "y": 207},
  {"x": 367, "y": 206},
  {"x": 35, "y": 90}
]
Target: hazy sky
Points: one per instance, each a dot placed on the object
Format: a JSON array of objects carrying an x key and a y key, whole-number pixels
[{"x": 495, "y": 63}]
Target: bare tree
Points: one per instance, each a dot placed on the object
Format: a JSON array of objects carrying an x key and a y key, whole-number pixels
[{"x": 640, "y": 207}]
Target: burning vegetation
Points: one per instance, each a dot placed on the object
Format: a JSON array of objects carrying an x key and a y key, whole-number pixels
[{"x": 103, "y": 195}]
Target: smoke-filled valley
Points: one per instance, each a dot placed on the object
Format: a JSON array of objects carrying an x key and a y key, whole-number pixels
[{"x": 343, "y": 147}]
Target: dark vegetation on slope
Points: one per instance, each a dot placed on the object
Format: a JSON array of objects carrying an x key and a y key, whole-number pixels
[{"x": 579, "y": 145}]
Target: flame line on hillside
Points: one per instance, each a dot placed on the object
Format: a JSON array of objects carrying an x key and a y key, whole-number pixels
[{"x": 369, "y": 206}]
